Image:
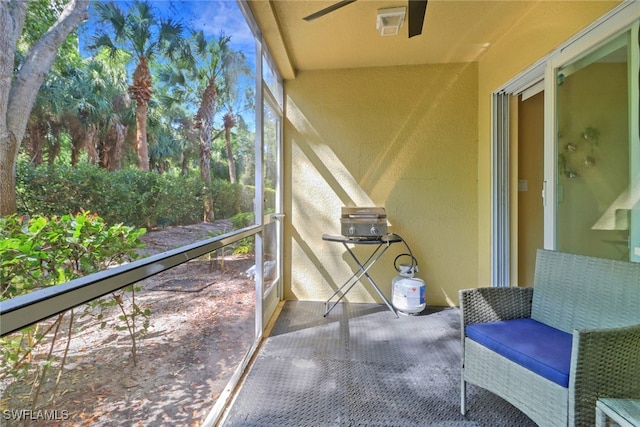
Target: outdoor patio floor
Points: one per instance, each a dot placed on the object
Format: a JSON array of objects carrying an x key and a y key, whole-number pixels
[{"x": 362, "y": 366}]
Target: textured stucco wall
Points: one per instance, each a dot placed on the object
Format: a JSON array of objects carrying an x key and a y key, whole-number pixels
[{"x": 400, "y": 137}]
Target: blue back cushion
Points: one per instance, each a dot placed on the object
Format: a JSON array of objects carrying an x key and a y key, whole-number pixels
[{"x": 529, "y": 343}]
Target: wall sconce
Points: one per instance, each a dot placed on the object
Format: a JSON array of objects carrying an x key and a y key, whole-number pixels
[{"x": 390, "y": 20}]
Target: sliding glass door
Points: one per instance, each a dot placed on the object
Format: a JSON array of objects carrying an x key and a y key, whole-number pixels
[{"x": 593, "y": 158}]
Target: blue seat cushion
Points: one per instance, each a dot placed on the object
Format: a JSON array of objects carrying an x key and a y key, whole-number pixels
[{"x": 529, "y": 343}]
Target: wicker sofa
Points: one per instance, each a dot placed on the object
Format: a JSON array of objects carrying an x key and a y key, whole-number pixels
[{"x": 574, "y": 336}]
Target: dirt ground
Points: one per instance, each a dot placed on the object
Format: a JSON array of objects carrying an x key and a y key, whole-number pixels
[{"x": 201, "y": 325}]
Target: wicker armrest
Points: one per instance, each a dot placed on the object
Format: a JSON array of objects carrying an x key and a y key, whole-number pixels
[
  {"x": 604, "y": 363},
  {"x": 480, "y": 305}
]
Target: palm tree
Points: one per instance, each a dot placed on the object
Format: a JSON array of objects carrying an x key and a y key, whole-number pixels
[
  {"x": 111, "y": 113},
  {"x": 204, "y": 124},
  {"x": 89, "y": 102},
  {"x": 167, "y": 135},
  {"x": 229, "y": 123},
  {"x": 142, "y": 36},
  {"x": 175, "y": 118},
  {"x": 200, "y": 84},
  {"x": 234, "y": 65}
]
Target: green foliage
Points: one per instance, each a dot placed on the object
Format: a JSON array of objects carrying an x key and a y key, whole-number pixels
[
  {"x": 84, "y": 104},
  {"x": 244, "y": 246},
  {"x": 130, "y": 196},
  {"x": 242, "y": 220},
  {"x": 40, "y": 252},
  {"x": 227, "y": 197},
  {"x": 41, "y": 14}
]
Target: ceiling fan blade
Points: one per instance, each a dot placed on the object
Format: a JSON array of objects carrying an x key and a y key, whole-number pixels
[
  {"x": 326, "y": 10},
  {"x": 417, "y": 10}
]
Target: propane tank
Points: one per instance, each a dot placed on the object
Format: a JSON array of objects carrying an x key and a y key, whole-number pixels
[
  {"x": 408, "y": 295},
  {"x": 408, "y": 291}
]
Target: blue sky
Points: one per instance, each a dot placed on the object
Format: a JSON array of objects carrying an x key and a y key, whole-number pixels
[{"x": 210, "y": 16}]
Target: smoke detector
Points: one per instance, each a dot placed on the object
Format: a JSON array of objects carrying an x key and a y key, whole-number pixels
[{"x": 390, "y": 20}]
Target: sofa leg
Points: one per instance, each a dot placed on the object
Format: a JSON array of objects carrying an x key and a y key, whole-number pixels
[{"x": 463, "y": 396}]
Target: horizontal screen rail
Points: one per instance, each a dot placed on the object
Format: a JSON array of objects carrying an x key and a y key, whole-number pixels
[{"x": 24, "y": 310}]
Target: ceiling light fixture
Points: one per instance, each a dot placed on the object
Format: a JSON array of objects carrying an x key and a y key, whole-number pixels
[{"x": 390, "y": 20}]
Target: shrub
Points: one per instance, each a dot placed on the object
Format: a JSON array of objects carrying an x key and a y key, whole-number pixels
[
  {"x": 39, "y": 252},
  {"x": 130, "y": 196},
  {"x": 242, "y": 220}
]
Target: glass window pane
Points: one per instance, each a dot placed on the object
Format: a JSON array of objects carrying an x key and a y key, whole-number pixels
[
  {"x": 198, "y": 166},
  {"x": 271, "y": 268},
  {"x": 593, "y": 203},
  {"x": 271, "y": 80},
  {"x": 192, "y": 326},
  {"x": 271, "y": 136}
]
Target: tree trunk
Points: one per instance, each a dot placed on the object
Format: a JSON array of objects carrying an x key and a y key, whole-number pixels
[
  {"x": 230, "y": 161},
  {"x": 113, "y": 147},
  {"x": 141, "y": 92},
  {"x": 17, "y": 95},
  {"x": 205, "y": 169},
  {"x": 89, "y": 142},
  {"x": 141, "y": 136},
  {"x": 54, "y": 150},
  {"x": 184, "y": 164},
  {"x": 229, "y": 123},
  {"x": 205, "y": 154},
  {"x": 8, "y": 203},
  {"x": 78, "y": 134},
  {"x": 204, "y": 124},
  {"x": 34, "y": 143}
]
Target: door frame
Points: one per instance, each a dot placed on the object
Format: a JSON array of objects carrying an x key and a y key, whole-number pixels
[{"x": 537, "y": 76}]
